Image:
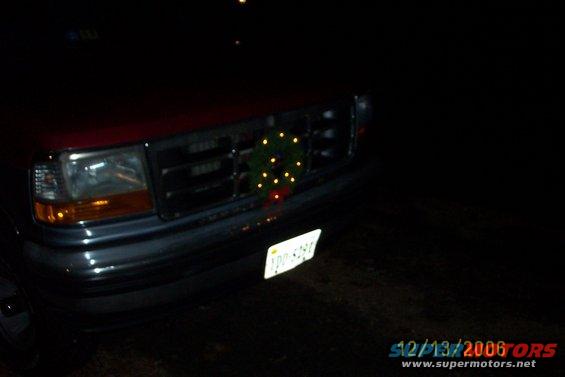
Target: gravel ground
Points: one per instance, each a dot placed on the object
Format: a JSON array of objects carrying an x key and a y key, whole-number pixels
[{"x": 409, "y": 268}]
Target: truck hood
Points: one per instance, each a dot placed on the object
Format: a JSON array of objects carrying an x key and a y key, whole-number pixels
[{"x": 103, "y": 116}]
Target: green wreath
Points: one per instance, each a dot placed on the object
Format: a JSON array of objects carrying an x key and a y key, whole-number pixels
[{"x": 276, "y": 164}]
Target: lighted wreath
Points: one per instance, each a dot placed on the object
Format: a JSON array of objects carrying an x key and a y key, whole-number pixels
[{"x": 276, "y": 164}]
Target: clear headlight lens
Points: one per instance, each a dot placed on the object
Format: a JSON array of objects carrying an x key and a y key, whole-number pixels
[
  {"x": 89, "y": 186},
  {"x": 102, "y": 174}
]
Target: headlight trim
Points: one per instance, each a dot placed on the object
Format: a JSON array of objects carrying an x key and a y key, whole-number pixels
[{"x": 120, "y": 187}]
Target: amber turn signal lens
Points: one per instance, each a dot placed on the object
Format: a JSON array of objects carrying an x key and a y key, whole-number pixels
[{"x": 94, "y": 209}]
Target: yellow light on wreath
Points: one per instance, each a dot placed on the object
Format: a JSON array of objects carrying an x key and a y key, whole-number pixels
[
  {"x": 264, "y": 175},
  {"x": 265, "y": 141},
  {"x": 286, "y": 174},
  {"x": 276, "y": 181},
  {"x": 292, "y": 179},
  {"x": 299, "y": 163},
  {"x": 295, "y": 140},
  {"x": 273, "y": 160},
  {"x": 276, "y": 196},
  {"x": 260, "y": 185},
  {"x": 281, "y": 134}
]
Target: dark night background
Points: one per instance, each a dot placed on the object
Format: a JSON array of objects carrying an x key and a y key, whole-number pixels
[
  {"x": 466, "y": 216},
  {"x": 471, "y": 104}
]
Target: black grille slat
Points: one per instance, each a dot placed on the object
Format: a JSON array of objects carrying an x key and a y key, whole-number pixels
[
  {"x": 193, "y": 164},
  {"x": 184, "y": 179},
  {"x": 199, "y": 188},
  {"x": 179, "y": 156},
  {"x": 207, "y": 168},
  {"x": 187, "y": 201}
]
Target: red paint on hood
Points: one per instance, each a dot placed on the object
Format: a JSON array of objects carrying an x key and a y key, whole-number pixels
[{"x": 76, "y": 121}]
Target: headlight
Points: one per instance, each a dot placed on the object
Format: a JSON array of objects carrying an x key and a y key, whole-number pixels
[{"x": 79, "y": 187}]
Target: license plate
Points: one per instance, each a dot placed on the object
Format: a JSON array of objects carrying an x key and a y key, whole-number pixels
[{"x": 286, "y": 255}]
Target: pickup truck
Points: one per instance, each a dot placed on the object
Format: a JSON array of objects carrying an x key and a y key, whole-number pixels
[{"x": 127, "y": 184}]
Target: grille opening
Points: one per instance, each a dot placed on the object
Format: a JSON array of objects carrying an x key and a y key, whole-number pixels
[
  {"x": 300, "y": 127},
  {"x": 245, "y": 185},
  {"x": 329, "y": 139}
]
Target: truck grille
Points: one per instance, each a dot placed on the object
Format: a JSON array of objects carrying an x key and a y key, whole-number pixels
[{"x": 208, "y": 168}]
